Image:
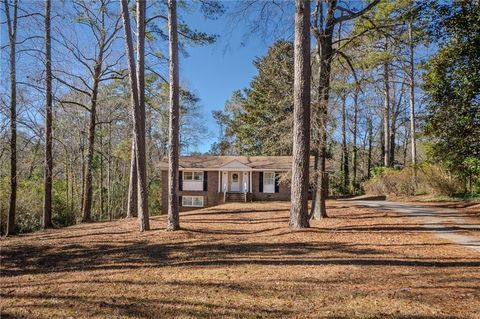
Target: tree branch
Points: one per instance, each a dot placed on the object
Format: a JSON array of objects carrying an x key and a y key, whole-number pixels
[{"x": 351, "y": 14}]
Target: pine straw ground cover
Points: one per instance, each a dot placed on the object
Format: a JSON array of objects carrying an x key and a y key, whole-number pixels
[{"x": 241, "y": 261}]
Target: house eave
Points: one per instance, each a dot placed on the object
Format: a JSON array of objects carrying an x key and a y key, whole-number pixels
[{"x": 193, "y": 169}]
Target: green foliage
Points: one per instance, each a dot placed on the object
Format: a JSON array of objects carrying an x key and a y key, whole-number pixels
[
  {"x": 62, "y": 214},
  {"x": 156, "y": 29},
  {"x": 379, "y": 171},
  {"x": 259, "y": 120},
  {"x": 30, "y": 204},
  {"x": 452, "y": 82},
  {"x": 155, "y": 197}
]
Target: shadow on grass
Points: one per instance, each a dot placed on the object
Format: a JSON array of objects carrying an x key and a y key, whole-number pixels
[
  {"x": 157, "y": 307},
  {"x": 29, "y": 259},
  {"x": 226, "y": 211},
  {"x": 409, "y": 210}
]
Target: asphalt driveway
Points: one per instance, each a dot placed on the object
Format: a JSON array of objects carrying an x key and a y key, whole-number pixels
[{"x": 445, "y": 221}]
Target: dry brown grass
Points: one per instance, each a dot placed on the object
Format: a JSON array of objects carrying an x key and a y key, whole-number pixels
[{"x": 241, "y": 261}]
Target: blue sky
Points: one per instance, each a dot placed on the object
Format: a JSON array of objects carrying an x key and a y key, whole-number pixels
[{"x": 214, "y": 71}]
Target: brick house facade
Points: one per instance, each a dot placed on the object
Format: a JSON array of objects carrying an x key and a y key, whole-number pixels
[{"x": 211, "y": 180}]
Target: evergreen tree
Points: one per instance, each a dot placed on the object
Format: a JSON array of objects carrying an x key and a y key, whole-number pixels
[
  {"x": 452, "y": 81},
  {"x": 258, "y": 121}
]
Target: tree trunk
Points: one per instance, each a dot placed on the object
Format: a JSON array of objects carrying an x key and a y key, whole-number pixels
[
  {"x": 88, "y": 189},
  {"x": 325, "y": 55},
  {"x": 301, "y": 115},
  {"x": 109, "y": 170},
  {"x": 142, "y": 187},
  {"x": 12, "y": 37},
  {"x": 33, "y": 161},
  {"x": 72, "y": 186},
  {"x": 353, "y": 187},
  {"x": 139, "y": 129},
  {"x": 394, "y": 114},
  {"x": 370, "y": 144},
  {"x": 97, "y": 72},
  {"x": 82, "y": 173},
  {"x": 314, "y": 193},
  {"x": 102, "y": 199},
  {"x": 412, "y": 105},
  {"x": 47, "y": 197},
  {"x": 345, "y": 161},
  {"x": 173, "y": 222},
  {"x": 132, "y": 201},
  {"x": 67, "y": 180},
  {"x": 386, "y": 111},
  {"x": 405, "y": 145},
  {"x": 393, "y": 134}
]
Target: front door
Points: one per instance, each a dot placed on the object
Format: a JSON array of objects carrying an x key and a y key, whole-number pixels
[{"x": 234, "y": 182}]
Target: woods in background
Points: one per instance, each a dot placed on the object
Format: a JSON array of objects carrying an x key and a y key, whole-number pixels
[
  {"x": 384, "y": 110},
  {"x": 387, "y": 92},
  {"x": 91, "y": 124}
]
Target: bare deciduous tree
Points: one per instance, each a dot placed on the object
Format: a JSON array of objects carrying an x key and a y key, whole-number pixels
[
  {"x": 412, "y": 102},
  {"x": 323, "y": 28},
  {"x": 132, "y": 201},
  {"x": 12, "y": 39},
  {"x": 137, "y": 114}
]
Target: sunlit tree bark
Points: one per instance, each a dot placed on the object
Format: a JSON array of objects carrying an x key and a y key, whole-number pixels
[
  {"x": 138, "y": 116},
  {"x": 301, "y": 117},
  {"x": 47, "y": 197},
  {"x": 12, "y": 38},
  {"x": 173, "y": 222}
]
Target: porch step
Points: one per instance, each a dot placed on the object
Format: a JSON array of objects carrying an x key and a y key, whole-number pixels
[{"x": 235, "y": 197}]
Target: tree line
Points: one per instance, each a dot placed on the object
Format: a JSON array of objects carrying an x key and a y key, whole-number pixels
[
  {"x": 93, "y": 101},
  {"x": 99, "y": 104},
  {"x": 375, "y": 117}
]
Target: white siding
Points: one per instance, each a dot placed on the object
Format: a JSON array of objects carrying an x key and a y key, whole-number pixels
[
  {"x": 192, "y": 186},
  {"x": 192, "y": 181}
]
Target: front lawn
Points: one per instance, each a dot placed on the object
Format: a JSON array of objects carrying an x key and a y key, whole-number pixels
[{"x": 241, "y": 261}]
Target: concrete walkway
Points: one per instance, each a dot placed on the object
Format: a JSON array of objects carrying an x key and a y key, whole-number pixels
[{"x": 432, "y": 218}]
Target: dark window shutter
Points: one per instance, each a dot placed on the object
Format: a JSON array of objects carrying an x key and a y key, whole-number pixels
[
  {"x": 277, "y": 184},
  {"x": 260, "y": 182},
  {"x": 205, "y": 181},
  {"x": 180, "y": 181},
  {"x": 179, "y": 200}
]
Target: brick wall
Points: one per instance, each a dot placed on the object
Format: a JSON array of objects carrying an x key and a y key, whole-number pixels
[
  {"x": 283, "y": 194},
  {"x": 211, "y": 196}
]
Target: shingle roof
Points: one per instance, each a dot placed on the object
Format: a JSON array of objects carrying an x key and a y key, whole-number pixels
[{"x": 216, "y": 162}]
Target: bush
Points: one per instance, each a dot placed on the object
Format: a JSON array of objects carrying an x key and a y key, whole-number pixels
[
  {"x": 61, "y": 213},
  {"x": 431, "y": 179},
  {"x": 30, "y": 205},
  {"x": 391, "y": 181},
  {"x": 438, "y": 181}
]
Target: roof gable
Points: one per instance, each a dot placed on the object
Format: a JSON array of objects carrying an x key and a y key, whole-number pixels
[
  {"x": 236, "y": 164},
  {"x": 246, "y": 163}
]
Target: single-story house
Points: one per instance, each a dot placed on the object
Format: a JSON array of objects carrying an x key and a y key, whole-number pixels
[{"x": 210, "y": 180}]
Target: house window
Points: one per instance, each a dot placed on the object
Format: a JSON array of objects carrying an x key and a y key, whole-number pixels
[
  {"x": 269, "y": 182},
  {"x": 192, "y": 201},
  {"x": 235, "y": 178},
  {"x": 193, "y": 176}
]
